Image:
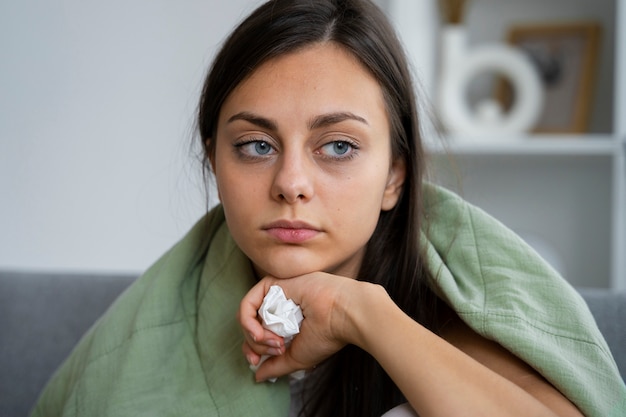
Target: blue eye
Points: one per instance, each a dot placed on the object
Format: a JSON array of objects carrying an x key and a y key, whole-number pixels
[
  {"x": 262, "y": 148},
  {"x": 341, "y": 148},
  {"x": 255, "y": 148},
  {"x": 338, "y": 149}
]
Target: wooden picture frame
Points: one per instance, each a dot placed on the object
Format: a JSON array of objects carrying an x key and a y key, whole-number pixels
[{"x": 566, "y": 56}]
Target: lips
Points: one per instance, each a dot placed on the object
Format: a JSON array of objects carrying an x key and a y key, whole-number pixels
[{"x": 292, "y": 232}]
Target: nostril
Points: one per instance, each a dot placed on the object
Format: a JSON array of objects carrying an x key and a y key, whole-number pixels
[{"x": 283, "y": 197}]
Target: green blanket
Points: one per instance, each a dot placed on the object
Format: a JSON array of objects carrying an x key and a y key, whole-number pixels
[{"x": 171, "y": 346}]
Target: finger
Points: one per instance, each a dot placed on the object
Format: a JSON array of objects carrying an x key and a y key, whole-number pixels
[
  {"x": 247, "y": 313},
  {"x": 277, "y": 366},
  {"x": 252, "y": 357},
  {"x": 272, "y": 349},
  {"x": 271, "y": 339},
  {"x": 268, "y": 338}
]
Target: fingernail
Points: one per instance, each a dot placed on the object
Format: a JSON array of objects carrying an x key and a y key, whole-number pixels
[
  {"x": 274, "y": 351},
  {"x": 274, "y": 343},
  {"x": 252, "y": 336}
]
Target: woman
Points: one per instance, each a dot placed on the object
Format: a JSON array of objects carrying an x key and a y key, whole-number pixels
[{"x": 411, "y": 297}]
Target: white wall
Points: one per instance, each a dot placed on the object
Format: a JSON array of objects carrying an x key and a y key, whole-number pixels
[{"x": 97, "y": 102}]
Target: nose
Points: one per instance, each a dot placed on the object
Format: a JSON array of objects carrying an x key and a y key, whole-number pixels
[{"x": 293, "y": 179}]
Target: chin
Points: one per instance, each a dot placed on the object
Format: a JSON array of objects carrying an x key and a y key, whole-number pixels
[
  {"x": 286, "y": 271},
  {"x": 294, "y": 263}
]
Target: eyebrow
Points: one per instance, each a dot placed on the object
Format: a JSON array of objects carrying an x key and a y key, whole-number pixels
[
  {"x": 257, "y": 120},
  {"x": 334, "y": 118},
  {"x": 315, "y": 123}
]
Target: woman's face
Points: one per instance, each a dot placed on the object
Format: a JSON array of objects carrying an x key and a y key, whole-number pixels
[{"x": 303, "y": 163}]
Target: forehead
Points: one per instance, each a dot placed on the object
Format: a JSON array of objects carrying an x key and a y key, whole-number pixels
[
  {"x": 323, "y": 56},
  {"x": 323, "y": 74}
]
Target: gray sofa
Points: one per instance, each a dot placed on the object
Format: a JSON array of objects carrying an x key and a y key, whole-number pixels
[{"x": 42, "y": 316}]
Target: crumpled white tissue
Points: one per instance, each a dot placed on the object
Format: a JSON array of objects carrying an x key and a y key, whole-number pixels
[{"x": 281, "y": 316}]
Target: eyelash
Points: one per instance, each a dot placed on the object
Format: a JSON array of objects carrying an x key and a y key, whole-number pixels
[
  {"x": 239, "y": 148},
  {"x": 351, "y": 153}
]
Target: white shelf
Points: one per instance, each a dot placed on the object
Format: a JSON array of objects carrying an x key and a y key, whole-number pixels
[
  {"x": 549, "y": 145},
  {"x": 566, "y": 190}
]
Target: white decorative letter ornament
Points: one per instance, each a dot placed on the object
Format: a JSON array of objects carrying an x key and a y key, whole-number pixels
[{"x": 460, "y": 65}]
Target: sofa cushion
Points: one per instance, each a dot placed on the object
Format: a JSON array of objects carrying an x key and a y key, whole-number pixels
[
  {"x": 42, "y": 316},
  {"x": 609, "y": 310}
]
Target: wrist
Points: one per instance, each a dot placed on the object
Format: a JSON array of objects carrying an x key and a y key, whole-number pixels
[{"x": 365, "y": 313}]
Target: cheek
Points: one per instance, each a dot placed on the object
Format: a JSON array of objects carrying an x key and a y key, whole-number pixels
[
  {"x": 364, "y": 192},
  {"x": 238, "y": 201},
  {"x": 233, "y": 192},
  {"x": 358, "y": 202}
]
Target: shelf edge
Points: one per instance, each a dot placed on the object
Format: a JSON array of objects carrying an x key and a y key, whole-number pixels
[{"x": 565, "y": 145}]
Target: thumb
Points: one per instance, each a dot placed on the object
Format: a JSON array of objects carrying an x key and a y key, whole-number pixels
[{"x": 248, "y": 307}]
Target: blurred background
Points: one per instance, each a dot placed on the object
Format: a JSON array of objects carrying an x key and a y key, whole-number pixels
[
  {"x": 98, "y": 170},
  {"x": 99, "y": 166}
]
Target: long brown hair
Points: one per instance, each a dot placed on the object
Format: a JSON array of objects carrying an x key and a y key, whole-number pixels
[{"x": 351, "y": 383}]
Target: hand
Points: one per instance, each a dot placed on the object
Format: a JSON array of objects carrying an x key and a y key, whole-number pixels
[
  {"x": 339, "y": 311},
  {"x": 326, "y": 301}
]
